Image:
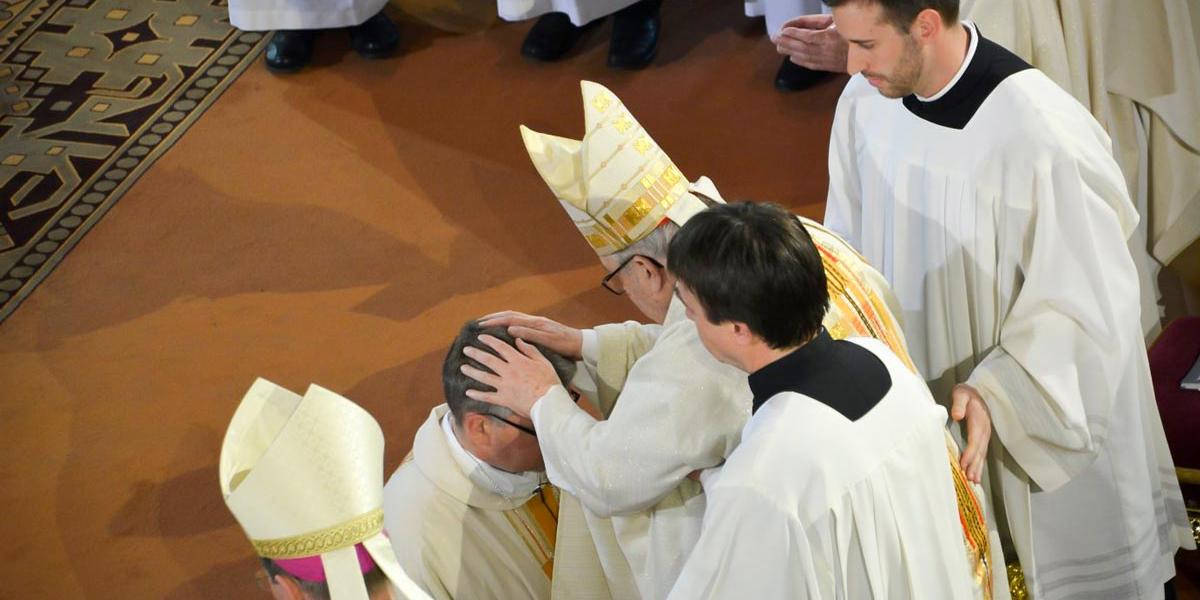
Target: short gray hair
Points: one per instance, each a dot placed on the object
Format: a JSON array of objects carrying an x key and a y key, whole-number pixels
[
  {"x": 654, "y": 245},
  {"x": 455, "y": 383}
]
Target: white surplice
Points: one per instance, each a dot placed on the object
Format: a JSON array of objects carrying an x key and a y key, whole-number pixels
[
  {"x": 666, "y": 430},
  {"x": 264, "y": 15},
  {"x": 1004, "y": 242},
  {"x": 778, "y": 12},
  {"x": 581, "y": 12},
  {"x": 680, "y": 410},
  {"x": 813, "y": 505},
  {"x": 1136, "y": 67},
  {"x": 458, "y": 526}
]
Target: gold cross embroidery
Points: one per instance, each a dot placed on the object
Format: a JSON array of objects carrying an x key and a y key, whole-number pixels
[
  {"x": 622, "y": 123},
  {"x": 601, "y": 102}
]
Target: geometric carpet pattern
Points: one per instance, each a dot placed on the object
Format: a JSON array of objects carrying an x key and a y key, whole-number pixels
[{"x": 92, "y": 92}]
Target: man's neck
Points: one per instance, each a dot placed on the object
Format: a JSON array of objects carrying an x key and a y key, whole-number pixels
[
  {"x": 949, "y": 52},
  {"x": 762, "y": 355}
]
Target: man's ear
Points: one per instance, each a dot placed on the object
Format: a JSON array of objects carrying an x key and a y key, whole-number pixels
[
  {"x": 927, "y": 25},
  {"x": 655, "y": 277},
  {"x": 474, "y": 426},
  {"x": 742, "y": 334}
]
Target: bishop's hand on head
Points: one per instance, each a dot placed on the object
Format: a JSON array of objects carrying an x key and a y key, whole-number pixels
[
  {"x": 551, "y": 334},
  {"x": 520, "y": 375}
]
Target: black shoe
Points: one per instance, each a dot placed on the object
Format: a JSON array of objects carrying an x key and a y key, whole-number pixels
[
  {"x": 794, "y": 78},
  {"x": 635, "y": 35},
  {"x": 551, "y": 38},
  {"x": 376, "y": 37},
  {"x": 290, "y": 50}
]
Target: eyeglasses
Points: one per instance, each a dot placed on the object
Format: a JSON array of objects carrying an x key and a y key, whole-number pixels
[
  {"x": 606, "y": 283},
  {"x": 492, "y": 412},
  {"x": 517, "y": 426}
]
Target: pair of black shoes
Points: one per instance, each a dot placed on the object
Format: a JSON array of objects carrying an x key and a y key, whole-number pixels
[
  {"x": 291, "y": 50},
  {"x": 633, "y": 45}
]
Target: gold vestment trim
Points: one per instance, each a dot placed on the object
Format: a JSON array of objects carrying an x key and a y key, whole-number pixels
[
  {"x": 1188, "y": 476},
  {"x": 1016, "y": 583},
  {"x": 325, "y": 540},
  {"x": 974, "y": 527},
  {"x": 1194, "y": 520}
]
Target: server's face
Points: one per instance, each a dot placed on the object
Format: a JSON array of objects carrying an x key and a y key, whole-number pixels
[
  {"x": 718, "y": 338},
  {"x": 891, "y": 60}
]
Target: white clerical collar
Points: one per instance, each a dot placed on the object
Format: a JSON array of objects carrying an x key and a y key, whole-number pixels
[
  {"x": 972, "y": 44},
  {"x": 517, "y": 487}
]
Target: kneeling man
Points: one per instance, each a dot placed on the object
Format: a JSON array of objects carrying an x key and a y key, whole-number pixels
[
  {"x": 841, "y": 486},
  {"x": 471, "y": 500}
]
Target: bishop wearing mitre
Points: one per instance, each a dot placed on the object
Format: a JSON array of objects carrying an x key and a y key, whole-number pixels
[
  {"x": 671, "y": 408},
  {"x": 303, "y": 476}
]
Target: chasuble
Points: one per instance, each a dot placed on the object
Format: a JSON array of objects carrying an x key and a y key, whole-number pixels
[{"x": 462, "y": 537}]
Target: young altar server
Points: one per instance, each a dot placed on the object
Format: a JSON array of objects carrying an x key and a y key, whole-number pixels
[{"x": 840, "y": 487}]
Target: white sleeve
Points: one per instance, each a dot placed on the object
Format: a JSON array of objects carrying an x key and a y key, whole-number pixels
[
  {"x": 590, "y": 349},
  {"x": 749, "y": 548},
  {"x": 610, "y": 351},
  {"x": 1071, "y": 339},
  {"x": 633, "y": 338},
  {"x": 844, "y": 201},
  {"x": 679, "y": 411}
]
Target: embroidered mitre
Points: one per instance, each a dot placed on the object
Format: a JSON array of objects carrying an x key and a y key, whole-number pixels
[
  {"x": 616, "y": 184},
  {"x": 303, "y": 476}
]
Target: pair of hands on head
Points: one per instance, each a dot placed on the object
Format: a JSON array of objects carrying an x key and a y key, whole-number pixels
[
  {"x": 521, "y": 376},
  {"x": 812, "y": 41}
]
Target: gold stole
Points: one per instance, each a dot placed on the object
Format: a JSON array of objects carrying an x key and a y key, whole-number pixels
[
  {"x": 856, "y": 311},
  {"x": 974, "y": 526},
  {"x": 536, "y": 522}
]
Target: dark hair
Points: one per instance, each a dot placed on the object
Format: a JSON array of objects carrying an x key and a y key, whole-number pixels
[
  {"x": 901, "y": 13},
  {"x": 756, "y": 264},
  {"x": 319, "y": 590},
  {"x": 455, "y": 384}
]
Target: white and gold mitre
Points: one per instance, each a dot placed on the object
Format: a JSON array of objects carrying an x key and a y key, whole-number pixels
[
  {"x": 303, "y": 476},
  {"x": 616, "y": 184}
]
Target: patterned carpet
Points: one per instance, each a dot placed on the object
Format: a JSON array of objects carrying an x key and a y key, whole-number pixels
[{"x": 92, "y": 93}]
